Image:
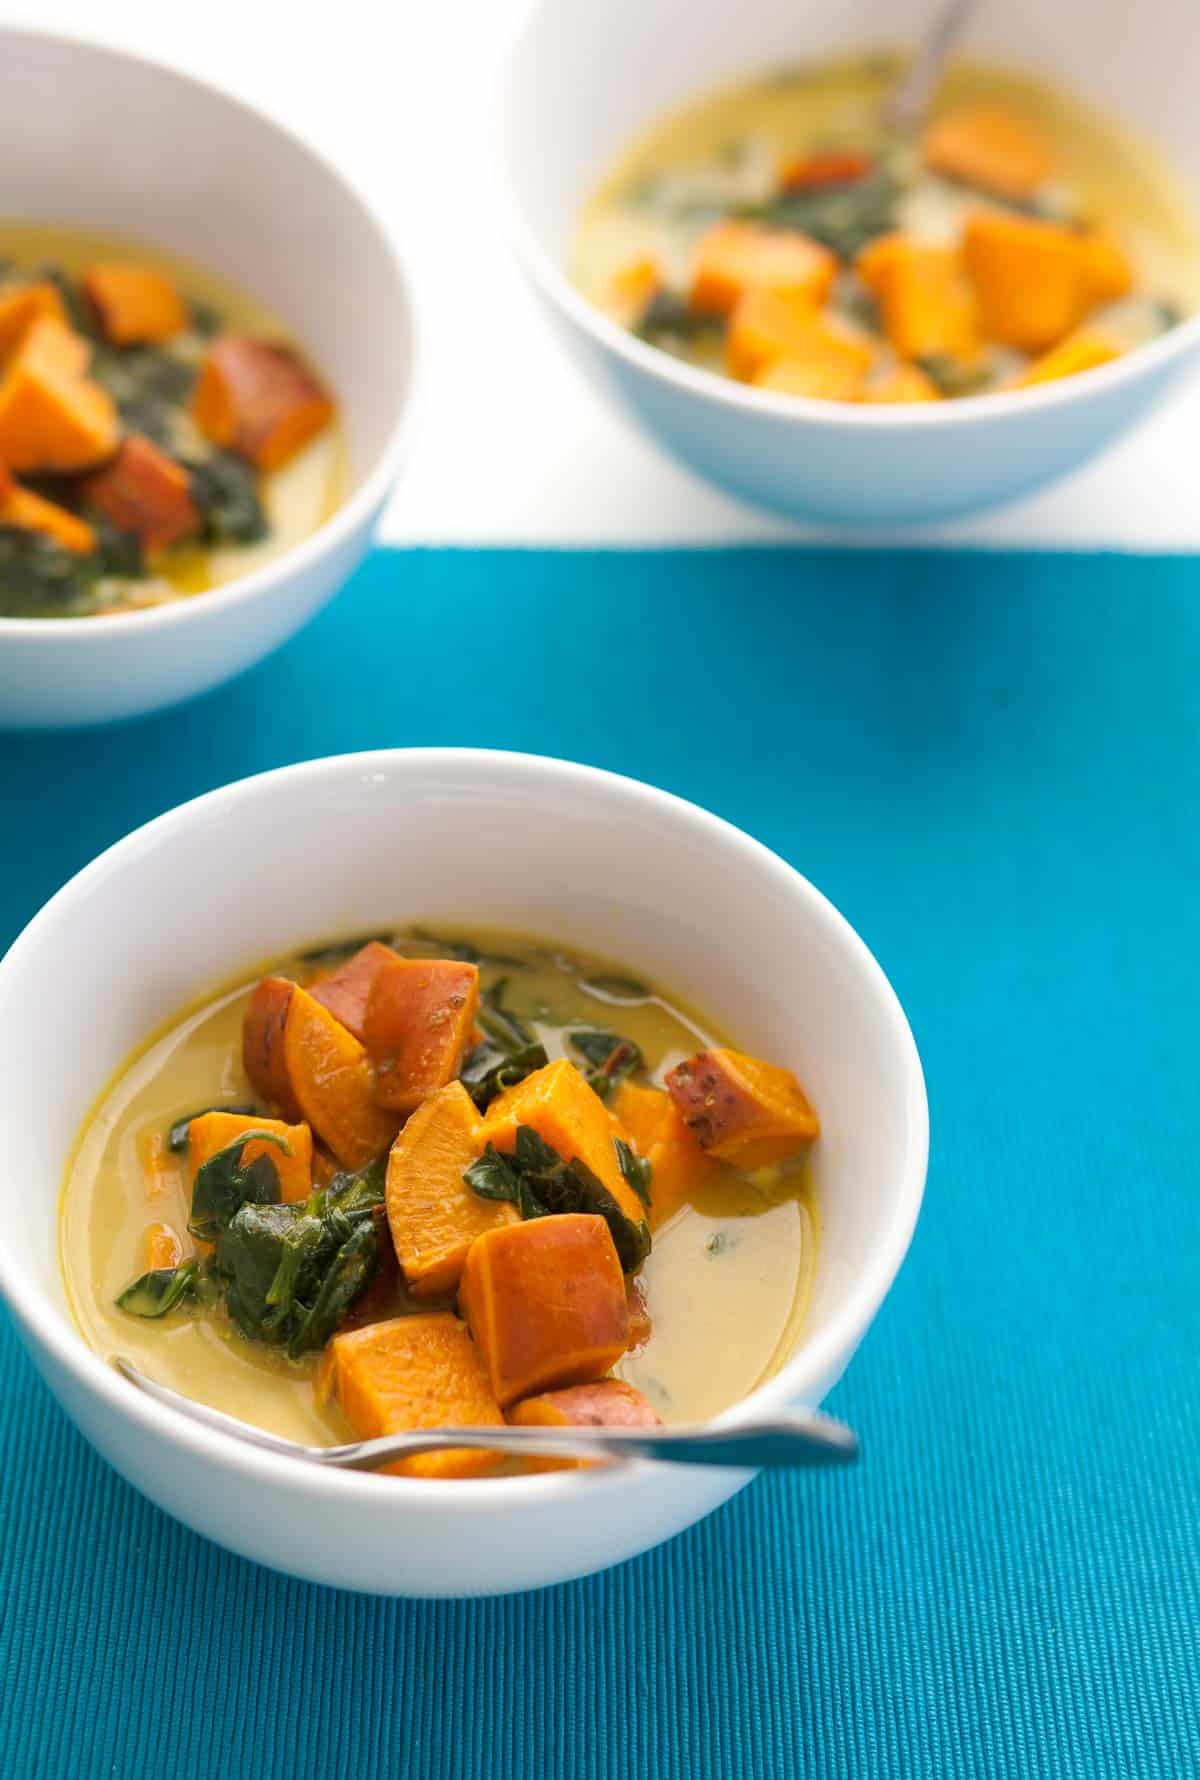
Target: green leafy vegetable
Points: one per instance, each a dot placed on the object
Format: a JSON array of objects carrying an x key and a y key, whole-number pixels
[
  {"x": 952, "y": 376},
  {"x": 667, "y": 317},
  {"x": 612, "y": 1057},
  {"x": 490, "y": 1068},
  {"x": 149, "y": 384},
  {"x": 500, "y": 1023},
  {"x": 636, "y": 1169},
  {"x": 841, "y": 217},
  {"x": 225, "y": 488},
  {"x": 223, "y": 1185},
  {"x": 177, "y": 1136},
  {"x": 540, "y": 1184},
  {"x": 161, "y": 1290}
]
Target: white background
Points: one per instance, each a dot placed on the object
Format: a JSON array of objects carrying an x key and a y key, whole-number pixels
[{"x": 513, "y": 446}]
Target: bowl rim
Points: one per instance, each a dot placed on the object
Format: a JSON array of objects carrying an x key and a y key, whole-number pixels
[
  {"x": 334, "y": 531},
  {"x": 802, "y": 1374},
  {"x": 549, "y": 277}
]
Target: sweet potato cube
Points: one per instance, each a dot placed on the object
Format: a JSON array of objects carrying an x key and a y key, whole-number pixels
[
  {"x": 989, "y": 146},
  {"x": 903, "y": 383},
  {"x": 768, "y": 326},
  {"x": 161, "y": 1247},
  {"x": 51, "y": 417},
  {"x": 160, "y": 1167},
  {"x": 30, "y": 512},
  {"x": 633, "y": 288},
  {"x": 570, "y": 1116},
  {"x": 134, "y": 304},
  {"x": 214, "y": 1131},
  {"x": 344, "y": 991},
  {"x": 926, "y": 301},
  {"x": 415, "y": 1372},
  {"x": 825, "y": 167},
  {"x": 735, "y": 257},
  {"x": 545, "y": 1301},
  {"x": 259, "y": 400},
  {"x": 1083, "y": 350},
  {"x": 23, "y": 304},
  {"x": 609, "y": 1404},
  {"x": 1108, "y": 267},
  {"x": 420, "y": 1013},
  {"x": 302, "y": 1060},
  {"x": 145, "y": 492},
  {"x": 742, "y": 1110},
  {"x": 678, "y": 1165},
  {"x": 433, "y": 1214},
  {"x": 822, "y": 380},
  {"x": 1035, "y": 280}
]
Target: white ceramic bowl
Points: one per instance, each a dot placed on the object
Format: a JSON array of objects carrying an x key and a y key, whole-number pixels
[
  {"x": 583, "y": 79},
  {"x": 108, "y": 141},
  {"x": 579, "y": 855}
]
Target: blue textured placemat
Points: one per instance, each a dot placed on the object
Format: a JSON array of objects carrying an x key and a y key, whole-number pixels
[{"x": 991, "y": 764}]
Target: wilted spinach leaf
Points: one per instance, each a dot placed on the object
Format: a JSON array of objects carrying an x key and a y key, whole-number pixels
[
  {"x": 955, "y": 377},
  {"x": 161, "y": 1290},
  {"x": 490, "y": 1068},
  {"x": 612, "y": 1057},
  {"x": 500, "y": 1023},
  {"x": 667, "y": 317},
  {"x": 636, "y": 1169},
  {"x": 539, "y": 1183},
  {"x": 223, "y": 1185},
  {"x": 225, "y": 488},
  {"x": 841, "y": 217}
]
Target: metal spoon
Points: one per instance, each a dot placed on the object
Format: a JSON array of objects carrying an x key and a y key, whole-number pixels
[
  {"x": 803, "y": 1438},
  {"x": 905, "y": 106}
]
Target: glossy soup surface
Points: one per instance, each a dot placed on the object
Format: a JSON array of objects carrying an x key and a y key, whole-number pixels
[
  {"x": 295, "y": 499},
  {"x": 724, "y": 156},
  {"x": 726, "y": 1282}
]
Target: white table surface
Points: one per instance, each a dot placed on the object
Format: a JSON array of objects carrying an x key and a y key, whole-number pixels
[{"x": 399, "y": 94}]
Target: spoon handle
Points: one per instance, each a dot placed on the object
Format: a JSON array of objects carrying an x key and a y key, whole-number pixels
[
  {"x": 905, "y": 106},
  {"x": 802, "y": 1438}
]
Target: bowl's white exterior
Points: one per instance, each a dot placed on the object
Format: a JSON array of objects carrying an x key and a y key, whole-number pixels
[
  {"x": 113, "y": 143},
  {"x": 583, "y": 79},
  {"x": 574, "y": 853}
]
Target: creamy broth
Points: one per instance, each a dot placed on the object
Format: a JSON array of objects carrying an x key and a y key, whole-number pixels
[
  {"x": 726, "y": 1282},
  {"x": 721, "y": 155},
  {"x": 297, "y": 498}
]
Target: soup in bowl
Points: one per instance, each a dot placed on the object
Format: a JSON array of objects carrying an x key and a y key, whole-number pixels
[
  {"x": 603, "y": 932},
  {"x": 832, "y": 324}
]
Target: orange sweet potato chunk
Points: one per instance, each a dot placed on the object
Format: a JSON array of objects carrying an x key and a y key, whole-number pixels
[
  {"x": 546, "y": 1303},
  {"x": 52, "y": 417},
  {"x": 679, "y": 1167},
  {"x": 419, "y": 1018},
  {"x": 903, "y": 383},
  {"x": 134, "y": 304},
  {"x": 926, "y": 301},
  {"x": 214, "y": 1131},
  {"x": 161, "y": 1247},
  {"x": 344, "y": 991},
  {"x": 432, "y": 1213},
  {"x": 571, "y": 1117},
  {"x": 609, "y": 1404},
  {"x": 989, "y": 146},
  {"x": 32, "y": 513},
  {"x": 415, "y": 1372},
  {"x": 735, "y": 257},
  {"x": 145, "y": 492},
  {"x": 1083, "y": 350},
  {"x": 769, "y": 325},
  {"x": 299, "y": 1058},
  {"x": 1035, "y": 280},
  {"x": 742, "y": 1110},
  {"x": 260, "y": 400},
  {"x": 161, "y": 1168},
  {"x": 23, "y": 304}
]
